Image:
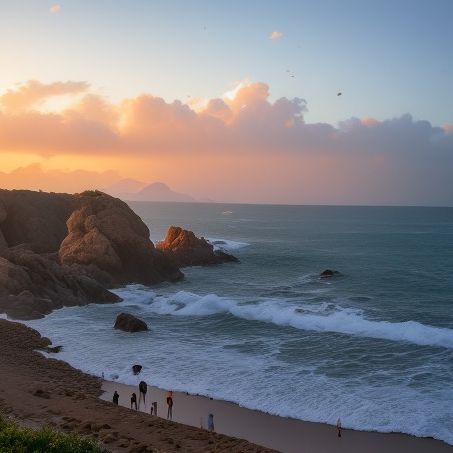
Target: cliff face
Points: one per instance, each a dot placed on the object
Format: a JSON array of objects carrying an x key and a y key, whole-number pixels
[
  {"x": 58, "y": 250},
  {"x": 104, "y": 232},
  {"x": 183, "y": 248}
]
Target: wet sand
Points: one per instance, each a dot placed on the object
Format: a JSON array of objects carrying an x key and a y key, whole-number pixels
[
  {"x": 41, "y": 391},
  {"x": 283, "y": 434}
]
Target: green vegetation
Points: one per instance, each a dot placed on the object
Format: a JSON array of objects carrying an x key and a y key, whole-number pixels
[
  {"x": 18, "y": 439},
  {"x": 92, "y": 193}
]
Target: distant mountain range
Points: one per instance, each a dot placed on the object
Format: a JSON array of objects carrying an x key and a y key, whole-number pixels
[{"x": 133, "y": 190}]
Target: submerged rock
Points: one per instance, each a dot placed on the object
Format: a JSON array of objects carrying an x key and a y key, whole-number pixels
[
  {"x": 129, "y": 323},
  {"x": 329, "y": 273},
  {"x": 185, "y": 249}
]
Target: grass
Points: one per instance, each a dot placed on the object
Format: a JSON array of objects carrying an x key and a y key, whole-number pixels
[{"x": 18, "y": 439}]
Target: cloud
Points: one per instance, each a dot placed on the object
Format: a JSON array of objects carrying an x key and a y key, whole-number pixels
[
  {"x": 276, "y": 35},
  {"x": 397, "y": 160},
  {"x": 54, "y": 9},
  {"x": 35, "y": 177},
  {"x": 32, "y": 93},
  {"x": 448, "y": 128}
]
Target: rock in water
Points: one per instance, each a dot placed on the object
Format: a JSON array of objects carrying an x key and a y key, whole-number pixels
[
  {"x": 185, "y": 249},
  {"x": 328, "y": 273},
  {"x": 129, "y": 323},
  {"x": 136, "y": 369}
]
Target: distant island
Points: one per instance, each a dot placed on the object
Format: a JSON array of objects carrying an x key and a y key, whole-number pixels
[{"x": 133, "y": 190}]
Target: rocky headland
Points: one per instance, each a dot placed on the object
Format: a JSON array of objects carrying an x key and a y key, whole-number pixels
[{"x": 61, "y": 250}]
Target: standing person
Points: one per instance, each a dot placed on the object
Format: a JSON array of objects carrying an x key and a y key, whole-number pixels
[
  {"x": 211, "y": 422},
  {"x": 155, "y": 407},
  {"x": 134, "y": 401},
  {"x": 170, "y": 405},
  {"x": 143, "y": 388},
  {"x": 339, "y": 427},
  {"x": 116, "y": 397}
]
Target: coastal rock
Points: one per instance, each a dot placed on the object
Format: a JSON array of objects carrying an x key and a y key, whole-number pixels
[
  {"x": 136, "y": 369},
  {"x": 129, "y": 323},
  {"x": 37, "y": 219},
  {"x": 32, "y": 285},
  {"x": 3, "y": 243},
  {"x": 185, "y": 249},
  {"x": 106, "y": 234},
  {"x": 3, "y": 213},
  {"x": 61, "y": 250},
  {"x": 329, "y": 273}
]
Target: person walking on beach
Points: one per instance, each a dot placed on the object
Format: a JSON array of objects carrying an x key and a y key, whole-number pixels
[
  {"x": 143, "y": 388},
  {"x": 154, "y": 408},
  {"x": 170, "y": 405},
  {"x": 116, "y": 397},
  {"x": 339, "y": 427},
  {"x": 134, "y": 401},
  {"x": 211, "y": 423}
]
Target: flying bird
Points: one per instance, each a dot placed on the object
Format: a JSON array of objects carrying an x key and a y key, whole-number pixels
[{"x": 339, "y": 93}]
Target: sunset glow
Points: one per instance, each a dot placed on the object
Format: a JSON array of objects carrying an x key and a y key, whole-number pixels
[{"x": 254, "y": 140}]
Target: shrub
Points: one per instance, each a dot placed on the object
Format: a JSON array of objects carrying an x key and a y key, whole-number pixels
[{"x": 18, "y": 439}]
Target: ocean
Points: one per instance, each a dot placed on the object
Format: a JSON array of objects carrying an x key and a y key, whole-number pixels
[{"x": 373, "y": 345}]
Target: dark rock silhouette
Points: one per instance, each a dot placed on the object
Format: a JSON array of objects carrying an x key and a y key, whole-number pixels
[
  {"x": 185, "y": 249},
  {"x": 32, "y": 285},
  {"x": 329, "y": 273},
  {"x": 136, "y": 369},
  {"x": 129, "y": 323}
]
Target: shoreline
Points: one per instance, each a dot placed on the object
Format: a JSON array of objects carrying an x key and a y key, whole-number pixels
[
  {"x": 47, "y": 391},
  {"x": 37, "y": 391},
  {"x": 287, "y": 435}
]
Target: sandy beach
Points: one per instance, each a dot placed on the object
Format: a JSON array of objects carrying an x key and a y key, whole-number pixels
[
  {"x": 37, "y": 391},
  {"x": 283, "y": 434}
]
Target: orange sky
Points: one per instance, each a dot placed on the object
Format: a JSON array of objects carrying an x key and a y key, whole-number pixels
[{"x": 238, "y": 147}]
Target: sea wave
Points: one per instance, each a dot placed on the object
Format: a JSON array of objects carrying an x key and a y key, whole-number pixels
[
  {"x": 226, "y": 244},
  {"x": 324, "y": 317},
  {"x": 185, "y": 351}
]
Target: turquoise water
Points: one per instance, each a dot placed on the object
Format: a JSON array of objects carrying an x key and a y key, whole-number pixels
[{"x": 373, "y": 346}]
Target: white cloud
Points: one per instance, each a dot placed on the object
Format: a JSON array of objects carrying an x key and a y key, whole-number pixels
[
  {"x": 54, "y": 9},
  {"x": 276, "y": 35}
]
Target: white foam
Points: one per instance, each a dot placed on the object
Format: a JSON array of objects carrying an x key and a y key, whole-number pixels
[
  {"x": 226, "y": 244},
  {"x": 175, "y": 355},
  {"x": 321, "y": 318}
]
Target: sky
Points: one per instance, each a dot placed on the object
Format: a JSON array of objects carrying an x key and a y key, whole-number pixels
[{"x": 234, "y": 101}]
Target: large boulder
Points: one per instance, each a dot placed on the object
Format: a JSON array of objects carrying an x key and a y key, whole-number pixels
[
  {"x": 106, "y": 234},
  {"x": 129, "y": 323},
  {"x": 37, "y": 219},
  {"x": 32, "y": 285},
  {"x": 185, "y": 249}
]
